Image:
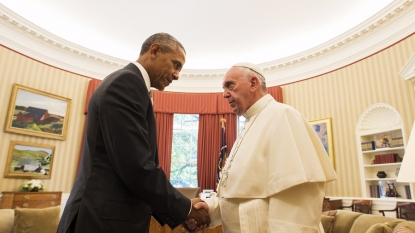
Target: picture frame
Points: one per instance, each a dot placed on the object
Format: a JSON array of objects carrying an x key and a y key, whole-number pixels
[
  {"x": 29, "y": 160},
  {"x": 323, "y": 130},
  {"x": 37, "y": 113}
]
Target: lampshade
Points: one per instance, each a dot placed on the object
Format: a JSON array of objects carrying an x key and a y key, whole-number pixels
[{"x": 407, "y": 170}]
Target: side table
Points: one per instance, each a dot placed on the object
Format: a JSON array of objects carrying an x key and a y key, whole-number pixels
[{"x": 11, "y": 200}]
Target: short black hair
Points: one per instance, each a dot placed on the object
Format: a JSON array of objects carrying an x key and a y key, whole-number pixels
[{"x": 167, "y": 43}]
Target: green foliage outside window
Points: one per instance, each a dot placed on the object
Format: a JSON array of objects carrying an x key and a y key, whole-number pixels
[{"x": 183, "y": 171}]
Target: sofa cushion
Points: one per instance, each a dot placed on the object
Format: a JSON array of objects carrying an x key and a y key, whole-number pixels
[
  {"x": 44, "y": 220},
  {"x": 365, "y": 221},
  {"x": 380, "y": 228},
  {"x": 327, "y": 222},
  {"x": 7, "y": 220},
  {"x": 344, "y": 220},
  {"x": 402, "y": 229}
]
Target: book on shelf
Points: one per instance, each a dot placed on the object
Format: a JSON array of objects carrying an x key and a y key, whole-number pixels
[
  {"x": 368, "y": 145},
  {"x": 397, "y": 142},
  {"x": 371, "y": 191},
  {"x": 408, "y": 192},
  {"x": 374, "y": 191},
  {"x": 387, "y": 158}
]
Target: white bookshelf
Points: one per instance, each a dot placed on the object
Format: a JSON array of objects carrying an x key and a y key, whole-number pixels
[{"x": 378, "y": 122}]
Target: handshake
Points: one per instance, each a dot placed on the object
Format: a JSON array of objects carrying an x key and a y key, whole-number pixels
[{"x": 198, "y": 219}]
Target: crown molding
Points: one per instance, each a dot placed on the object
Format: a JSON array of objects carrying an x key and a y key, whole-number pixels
[
  {"x": 392, "y": 24},
  {"x": 30, "y": 40}
]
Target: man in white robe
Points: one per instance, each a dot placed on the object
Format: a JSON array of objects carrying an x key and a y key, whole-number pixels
[{"x": 274, "y": 179}]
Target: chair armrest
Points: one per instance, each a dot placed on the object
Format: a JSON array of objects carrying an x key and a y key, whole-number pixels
[{"x": 383, "y": 211}]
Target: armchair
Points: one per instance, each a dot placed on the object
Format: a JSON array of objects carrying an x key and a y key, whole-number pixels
[
  {"x": 362, "y": 206},
  {"x": 397, "y": 209},
  {"x": 407, "y": 211}
]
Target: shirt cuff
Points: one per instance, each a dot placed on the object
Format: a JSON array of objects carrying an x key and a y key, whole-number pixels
[{"x": 190, "y": 207}]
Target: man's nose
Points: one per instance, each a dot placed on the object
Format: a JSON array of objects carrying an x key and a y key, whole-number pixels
[
  {"x": 176, "y": 75},
  {"x": 226, "y": 94}
]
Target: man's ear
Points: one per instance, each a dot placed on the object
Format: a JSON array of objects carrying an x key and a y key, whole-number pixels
[
  {"x": 254, "y": 83},
  {"x": 154, "y": 50}
]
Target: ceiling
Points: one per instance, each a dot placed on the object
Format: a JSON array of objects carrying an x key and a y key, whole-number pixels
[{"x": 215, "y": 33}]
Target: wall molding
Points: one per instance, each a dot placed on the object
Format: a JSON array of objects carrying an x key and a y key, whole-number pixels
[
  {"x": 378, "y": 117},
  {"x": 392, "y": 24}
]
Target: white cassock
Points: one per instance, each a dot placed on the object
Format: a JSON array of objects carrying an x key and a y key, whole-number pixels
[{"x": 275, "y": 176}]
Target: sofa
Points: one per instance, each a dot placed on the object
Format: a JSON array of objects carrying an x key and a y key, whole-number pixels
[
  {"x": 336, "y": 221},
  {"x": 345, "y": 221},
  {"x": 29, "y": 220}
]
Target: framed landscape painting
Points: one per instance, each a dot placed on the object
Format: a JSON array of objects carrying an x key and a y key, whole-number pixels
[
  {"x": 323, "y": 129},
  {"x": 29, "y": 160},
  {"x": 37, "y": 113}
]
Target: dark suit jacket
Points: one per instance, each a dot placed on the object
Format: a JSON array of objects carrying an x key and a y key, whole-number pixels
[{"x": 119, "y": 183}]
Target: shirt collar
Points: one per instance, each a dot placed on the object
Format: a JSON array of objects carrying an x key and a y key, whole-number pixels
[
  {"x": 257, "y": 106},
  {"x": 144, "y": 73}
]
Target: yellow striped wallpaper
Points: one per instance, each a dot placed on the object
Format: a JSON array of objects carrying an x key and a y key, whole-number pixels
[
  {"x": 15, "y": 68},
  {"x": 341, "y": 95},
  {"x": 344, "y": 94}
]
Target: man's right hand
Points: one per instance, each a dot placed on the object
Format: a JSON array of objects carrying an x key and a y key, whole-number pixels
[{"x": 198, "y": 219}]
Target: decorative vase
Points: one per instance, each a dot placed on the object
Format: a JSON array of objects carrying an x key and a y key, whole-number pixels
[{"x": 381, "y": 174}]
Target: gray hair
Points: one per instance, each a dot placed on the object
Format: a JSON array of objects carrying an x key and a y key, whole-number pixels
[
  {"x": 250, "y": 73},
  {"x": 167, "y": 43}
]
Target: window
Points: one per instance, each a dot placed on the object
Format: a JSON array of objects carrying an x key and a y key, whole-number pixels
[{"x": 183, "y": 172}]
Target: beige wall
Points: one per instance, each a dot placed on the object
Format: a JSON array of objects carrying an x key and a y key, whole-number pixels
[
  {"x": 341, "y": 95},
  {"x": 15, "y": 68},
  {"x": 344, "y": 94}
]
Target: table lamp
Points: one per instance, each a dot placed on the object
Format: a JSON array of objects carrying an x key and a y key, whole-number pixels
[{"x": 407, "y": 170}]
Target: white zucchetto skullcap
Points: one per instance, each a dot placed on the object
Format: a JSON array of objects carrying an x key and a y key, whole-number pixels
[{"x": 250, "y": 66}]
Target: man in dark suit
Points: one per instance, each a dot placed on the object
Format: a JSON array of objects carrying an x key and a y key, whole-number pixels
[{"x": 119, "y": 184}]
